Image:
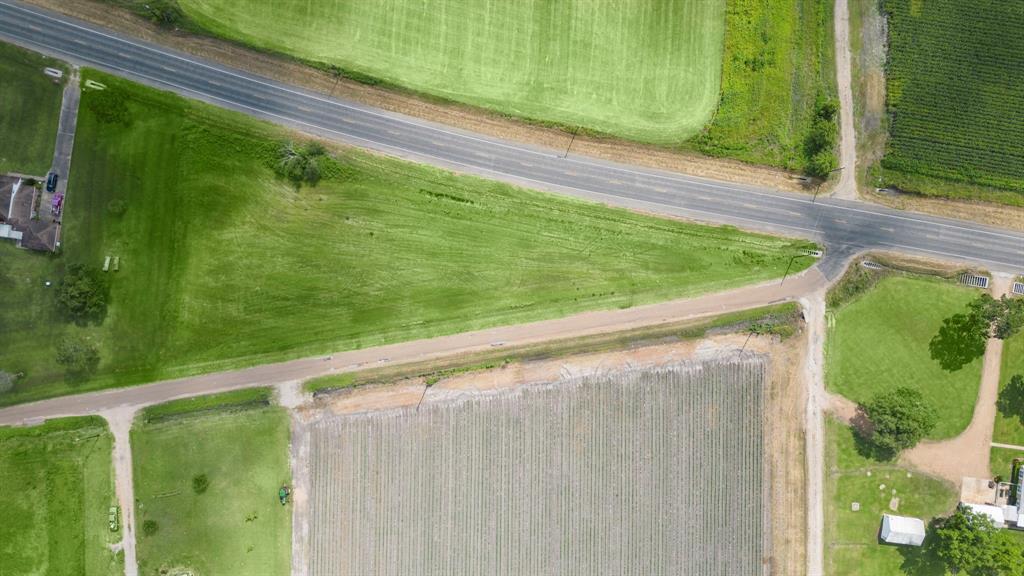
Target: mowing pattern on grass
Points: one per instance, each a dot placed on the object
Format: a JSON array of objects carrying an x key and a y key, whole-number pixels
[
  {"x": 881, "y": 342},
  {"x": 29, "y": 111},
  {"x": 956, "y": 92},
  {"x": 640, "y": 472},
  {"x": 1009, "y": 426},
  {"x": 224, "y": 264},
  {"x": 57, "y": 488},
  {"x": 229, "y": 523},
  {"x": 643, "y": 69},
  {"x": 852, "y": 543},
  {"x": 778, "y": 60}
]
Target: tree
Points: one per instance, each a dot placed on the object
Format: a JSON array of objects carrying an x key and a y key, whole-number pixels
[
  {"x": 78, "y": 356},
  {"x": 968, "y": 542},
  {"x": 1000, "y": 318},
  {"x": 200, "y": 483},
  {"x": 150, "y": 527},
  {"x": 300, "y": 163},
  {"x": 899, "y": 419},
  {"x": 82, "y": 293}
]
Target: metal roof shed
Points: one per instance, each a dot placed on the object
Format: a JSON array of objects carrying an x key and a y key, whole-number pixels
[
  {"x": 994, "y": 513},
  {"x": 902, "y": 530}
]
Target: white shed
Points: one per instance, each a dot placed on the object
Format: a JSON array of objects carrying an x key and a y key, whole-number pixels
[
  {"x": 902, "y": 530},
  {"x": 994, "y": 513}
]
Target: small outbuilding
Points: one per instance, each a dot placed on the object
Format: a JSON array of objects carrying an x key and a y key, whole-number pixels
[
  {"x": 994, "y": 513},
  {"x": 902, "y": 530}
]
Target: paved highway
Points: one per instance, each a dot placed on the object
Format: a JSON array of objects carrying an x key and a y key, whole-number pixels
[{"x": 845, "y": 227}]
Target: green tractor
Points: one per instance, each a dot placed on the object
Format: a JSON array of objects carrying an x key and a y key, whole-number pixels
[
  {"x": 113, "y": 518},
  {"x": 284, "y": 494}
]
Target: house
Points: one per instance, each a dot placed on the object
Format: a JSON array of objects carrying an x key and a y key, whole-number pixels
[{"x": 902, "y": 530}]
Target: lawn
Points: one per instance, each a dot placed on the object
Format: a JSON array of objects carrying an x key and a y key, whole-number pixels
[
  {"x": 1001, "y": 462},
  {"x": 1009, "y": 425},
  {"x": 642, "y": 69},
  {"x": 29, "y": 112},
  {"x": 223, "y": 264},
  {"x": 852, "y": 546},
  {"x": 779, "y": 58},
  {"x": 235, "y": 526},
  {"x": 57, "y": 488},
  {"x": 955, "y": 93},
  {"x": 881, "y": 341}
]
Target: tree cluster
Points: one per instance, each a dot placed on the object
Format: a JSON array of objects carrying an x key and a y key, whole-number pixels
[
  {"x": 969, "y": 544},
  {"x": 82, "y": 294},
  {"x": 1001, "y": 318},
  {"x": 300, "y": 163},
  {"x": 899, "y": 418},
  {"x": 821, "y": 142}
]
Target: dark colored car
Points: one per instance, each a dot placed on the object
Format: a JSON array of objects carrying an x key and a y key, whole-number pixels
[{"x": 51, "y": 182}]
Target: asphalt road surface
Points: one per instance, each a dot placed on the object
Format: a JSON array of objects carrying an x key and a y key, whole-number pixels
[{"x": 845, "y": 227}]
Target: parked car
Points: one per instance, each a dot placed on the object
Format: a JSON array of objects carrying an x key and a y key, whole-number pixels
[{"x": 51, "y": 182}]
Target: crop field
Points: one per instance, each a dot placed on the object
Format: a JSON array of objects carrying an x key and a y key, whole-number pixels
[
  {"x": 234, "y": 524},
  {"x": 644, "y": 69},
  {"x": 778, "y": 60},
  {"x": 30, "y": 111},
  {"x": 955, "y": 94},
  {"x": 225, "y": 264},
  {"x": 656, "y": 471},
  {"x": 57, "y": 487},
  {"x": 851, "y": 544},
  {"x": 880, "y": 341}
]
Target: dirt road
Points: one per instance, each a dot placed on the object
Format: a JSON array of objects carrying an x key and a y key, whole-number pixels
[
  {"x": 584, "y": 324},
  {"x": 847, "y": 186},
  {"x": 120, "y": 422},
  {"x": 814, "y": 313}
]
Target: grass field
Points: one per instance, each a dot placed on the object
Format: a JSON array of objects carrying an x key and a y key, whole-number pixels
[
  {"x": 237, "y": 526},
  {"x": 1001, "y": 462},
  {"x": 643, "y": 69},
  {"x": 851, "y": 537},
  {"x": 881, "y": 341},
  {"x": 223, "y": 264},
  {"x": 955, "y": 93},
  {"x": 778, "y": 59},
  {"x": 1009, "y": 425},
  {"x": 30, "y": 111},
  {"x": 625, "y": 472},
  {"x": 57, "y": 487}
]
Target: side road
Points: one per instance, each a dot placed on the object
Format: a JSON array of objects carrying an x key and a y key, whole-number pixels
[
  {"x": 588, "y": 323},
  {"x": 847, "y": 186}
]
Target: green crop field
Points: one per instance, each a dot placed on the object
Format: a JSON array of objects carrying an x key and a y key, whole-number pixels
[
  {"x": 778, "y": 60},
  {"x": 31, "y": 109},
  {"x": 644, "y": 69},
  {"x": 224, "y": 264},
  {"x": 235, "y": 525},
  {"x": 881, "y": 341},
  {"x": 851, "y": 537},
  {"x": 955, "y": 93},
  {"x": 1009, "y": 425},
  {"x": 56, "y": 487}
]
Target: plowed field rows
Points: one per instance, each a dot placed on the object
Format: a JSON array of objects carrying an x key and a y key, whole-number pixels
[{"x": 643, "y": 472}]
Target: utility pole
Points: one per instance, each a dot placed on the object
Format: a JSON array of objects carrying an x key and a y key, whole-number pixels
[
  {"x": 571, "y": 140},
  {"x": 818, "y": 188}
]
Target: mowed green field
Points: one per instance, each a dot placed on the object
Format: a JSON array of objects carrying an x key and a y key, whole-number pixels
[
  {"x": 643, "y": 69},
  {"x": 851, "y": 537},
  {"x": 955, "y": 92},
  {"x": 237, "y": 525},
  {"x": 1009, "y": 425},
  {"x": 56, "y": 486},
  {"x": 881, "y": 341},
  {"x": 779, "y": 58},
  {"x": 31, "y": 109},
  {"x": 224, "y": 264}
]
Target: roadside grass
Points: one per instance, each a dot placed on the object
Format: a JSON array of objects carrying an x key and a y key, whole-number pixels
[
  {"x": 1001, "y": 462},
  {"x": 646, "y": 70},
  {"x": 57, "y": 488},
  {"x": 954, "y": 93},
  {"x": 779, "y": 56},
  {"x": 852, "y": 544},
  {"x": 1009, "y": 425},
  {"x": 237, "y": 525},
  {"x": 881, "y": 341},
  {"x": 226, "y": 401},
  {"x": 223, "y": 264},
  {"x": 30, "y": 111}
]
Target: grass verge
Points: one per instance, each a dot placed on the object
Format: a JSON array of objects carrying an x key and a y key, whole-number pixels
[
  {"x": 852, "y": 542},
  {"x": 228, "y": 522},
  {"x": 236, "y": 400},
  {"x": 1009, "y": 424},
  {"x": 224, "y": 264},
  {"x": 880, "y": 340},
  {"x": 57, "y": 488},
  {"x": 31, "y": 108}
]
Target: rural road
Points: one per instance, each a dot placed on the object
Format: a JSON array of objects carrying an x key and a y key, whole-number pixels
[
  {"x": 845, "y": 226},
  {"x": 847, "y": 186}
]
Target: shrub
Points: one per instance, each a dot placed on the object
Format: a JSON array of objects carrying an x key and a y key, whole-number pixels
[
  {"x": 82, "y": 293},
  {"x": 78, "y": 356},
  {"x": 200, "y": 483},
  {"x": 300, "y": 164},
  {"x": 150, "y": 527}
]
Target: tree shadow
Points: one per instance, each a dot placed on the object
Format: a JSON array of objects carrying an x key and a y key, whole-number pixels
[
  {"x": 863, "y": 432},
  {"x": 922, "y": 560},
  {"x": 1011, "y": 399},
  {"x": 960, "y": 341}
]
